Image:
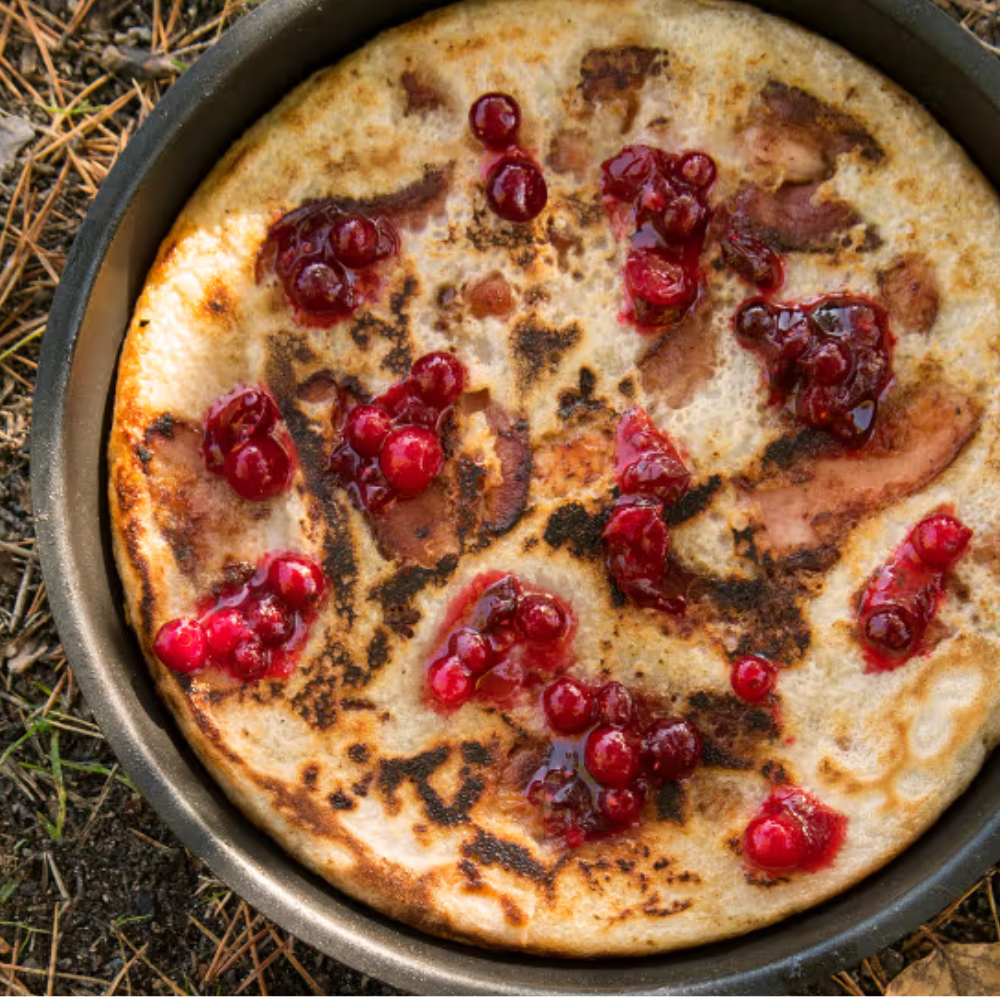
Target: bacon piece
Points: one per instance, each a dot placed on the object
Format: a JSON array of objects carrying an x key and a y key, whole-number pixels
[
  {"x": 910, "y": 292},
  {"x": 490, "y": 296},
  {"x": 816, "y": 500},
  {"x": 504, "y": 502},
  {"x": 682, "y": 360},
  {"x": 420, "y": 529},
  {"x": 797, "y": 138},
  {"x": 571, "y": 152}
]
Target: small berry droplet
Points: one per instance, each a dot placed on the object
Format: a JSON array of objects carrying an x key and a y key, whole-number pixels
[
  {"x": 251, "y": 660},
  {"x": 941, "y": 540},
  {"x": 223, "y": 629},
  {"x": 621, "y": 806}
]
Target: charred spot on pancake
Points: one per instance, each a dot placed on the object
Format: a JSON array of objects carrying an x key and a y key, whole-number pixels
[
  {"x": 512, "y": 913},
  {"x": 419, "y": 770},
  {"x": 317, "y": 703},
  {"x": 359, "y": 753},
  {"x": 485, "y": 232},
  {"x": 775, "y": 772},
  {"x": 910, "y": 291},
  {"x": 423, "y": 95},
  {"x": 470, "y": 480},
  {"x": 395, "y": 331},
  {"x": 397, "y": 592},
  {"x": 163, "y": 425},
  {"x": 473, "y": 877},
  {"x": 320, "y": 387},
  {"x": 671, "y": 803},
  {"x": 726, "y": 717},
  {"x": 627, "y": 387},
  {"x": 693, "y": 502},
  {"x": 508, "y": 855},
  {"x": 614, "y": 75},
  {"x": 310, "y": 775},
  {"x": 218, "y": 302},
  {"x": 342, "y": 801},
  {"x": 572, "y": 401},
  {"x": 490, "y": 296},
  {"x": 715, "y": 755},
  {"x": 476, "y": 753},
  {"x": 538, "y": 349},
  {"x": 575, "y": 527},
  {"x": 651, "y": 907},
  {"x": 790, "y": 448},
  {"x": 378, "y": 651},
  {"x": 412, "y": 204}
]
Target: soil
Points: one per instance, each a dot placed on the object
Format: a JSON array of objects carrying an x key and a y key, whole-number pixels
[{"x": 96, "y": 894}]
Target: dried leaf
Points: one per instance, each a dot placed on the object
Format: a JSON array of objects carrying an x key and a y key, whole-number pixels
[
  {"x": 15, "y": 133},
  {"x": 21, "y": 655},
  {"x": 969, "y": 970},
  {"x": 139, "y": 64}
]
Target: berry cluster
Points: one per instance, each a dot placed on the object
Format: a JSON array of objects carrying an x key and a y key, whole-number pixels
[
  {"x": 245, "y": 441},
  {"x": 668, "y": 211},
  {"x": 626, "y": 754},
  {"x": 391, "y": 447},
  {"x": 793, "y": 831},
  {"x": 324, "y": 259},
  {"x": 651, "y": 476},
  {"x": 504, "y": 638},
  {"x": 903, "y": 596},
  {"x": 250, "y": 629},
  {"x": 832, "y": 355},
  {"x": 515, "y": 186}
]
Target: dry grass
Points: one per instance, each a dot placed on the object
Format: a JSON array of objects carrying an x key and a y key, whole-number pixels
[{"x": 96, "y": 895}]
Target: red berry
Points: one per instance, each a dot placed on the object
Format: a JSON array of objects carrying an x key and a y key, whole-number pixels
[
  {"x": 259, "y": 469},
  {"x": 541, "y": 618},
  {"x": 354, "y": 241},
  {"x": 659, "y": 281},
  {"x": 516, "y": 189},
  {"x": 753, "y": 260},
  {"x": 251, "y": 660},
  {"x": 297, "y": 581},
  {"x": 181, "y": 645},
  {"x": 695, "y": 169},
  {"x": 471, "y": 647},
  {"x": 410, "y": 459},
  {"x": 322, "y": 287},
  {"x": 656, "y": 474},
  {"x": 941, "y": 540},
  {"x": 270, "y": 620},
  {"x": 755, "y": 321},
  {"x": 439, "y": 378},
  {"x": 450, "y": 681},
  {"x": 611, "y": 756},
  {"x": 753, "y": 677},
  {"x": 568, "y": 705},
  {"x": 236, "y": 417},
  {"x": 891, "y": 629},
  {"x": 636, "y": 545},
  {"x": 621, "y": 806},
  {"x": 366, "y": 429},
  {"x": 498, "y": 603},
  {"x": 502, "y": 639},
  {"x": 495, "y": 119},
  {"x": 682, "y": 217},
  {"x": 626, "y": 173},
  {"x": 776, "y": 843},
  {"x": 503, "y": 682},
  {"x": 672, "y": 749},
  {"x": 615, "y": 705},
  {"x": 223, "y": 629}
]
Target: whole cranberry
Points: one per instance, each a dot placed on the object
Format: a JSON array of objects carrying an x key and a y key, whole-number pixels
[
  {"x": 516, "y": 189},
  {"x": 753, "y": 260},
  {"x": 621, "y": 806},
  {"x": 658, "y": 475},
  {"x": 366, "y": 429},
  {"x": 695, "y": 169},
  {"x": 672, "y": 749},
  {"x": 541, "y": 618},
  {"x": 568, "y": 705},
  {"x": 776, "y": 843},
  {"x": 271, "y": 620},
  {"x": 755, "y": 321},
  {"x": 503, "y": 683},
  {"x": 828, "y": 363},
  {"x": 472, "y": 648},
  {"x": 636, "y": 545},
  {"x": 414, "y": 411},
  {"x": 410, "y": 459},
  {"x": 439, "y": 378},
  {"x": 615, "y": 704},
  {"x": 450, "y": 681},
  {"x": 297, "y": 581},
  {"x": 627, "y": 172},
  {"x": 941, "y": 540},
  {"x": 563, "y": 800},
  {"x": 322, "y": 287},
  {"x": 223, "y": 629},
  {"x": 753, "y": 677},
  {"x": 498, "y": 603},
  {"x": 354, "y": 241},
  {"x": 495, "y": 119},
  {"x": 611, "y": 756},
  {"x": 653, "y": 277},
  {"x": 251, "y": 659},
  {"x": 237, "y": 417},
  {"x": 259, "y": 469},
  {"x": 502, "y": 639},
  {"x": 181, "y": 645},
  {"x": 682, "y": 217},
  {"x": 891, "y": 629}
]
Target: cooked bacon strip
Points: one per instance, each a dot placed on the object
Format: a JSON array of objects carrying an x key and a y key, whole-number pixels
[
  {"x": 797, "y": 138},
  {"x": 682, "y": 360},
  {"x": 910, "y": 292},
  {"x": 421, "y": 529},
  {"x": 817, "y": 499},
  {"x": 504, "y": 502}
]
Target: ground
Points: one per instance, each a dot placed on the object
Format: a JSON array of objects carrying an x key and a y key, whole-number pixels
[{"x": 96, "y": 894}]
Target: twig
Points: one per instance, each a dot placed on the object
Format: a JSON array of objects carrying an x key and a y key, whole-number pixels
[
  {"x": 123, "y": 972},
  {"x": 53, "y": 953}
]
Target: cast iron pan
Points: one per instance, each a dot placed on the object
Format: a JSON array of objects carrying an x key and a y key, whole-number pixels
[{"x": 258, "y": 61}]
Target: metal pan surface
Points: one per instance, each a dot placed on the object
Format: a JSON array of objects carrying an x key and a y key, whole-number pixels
[{"x": 258, "y": 61}]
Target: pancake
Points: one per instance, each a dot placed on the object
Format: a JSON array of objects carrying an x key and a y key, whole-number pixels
[{"x": 790, "y": 572}]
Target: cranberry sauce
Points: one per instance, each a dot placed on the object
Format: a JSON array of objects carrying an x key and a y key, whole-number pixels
[
  {"x": 753, "y": 678},
  {"x": 651, "y": 476},
  {"x": 902, "y": 597},
  {"x": 831, "y": 356},
  {"x": 753, "y": 260},
  {"x": 391, "y": 447},
  {"x": 500, "y": 639},
  {"x": 609, "y": 754},
  {"x": 326, "y": 259},
  {"x": 245, "y": 441},
  {"x": 515, "y": 185},
  {"x": 793, "y": 831},
  {"x": 660, "y": 199},
  {"x": 252, "y": 628}
]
